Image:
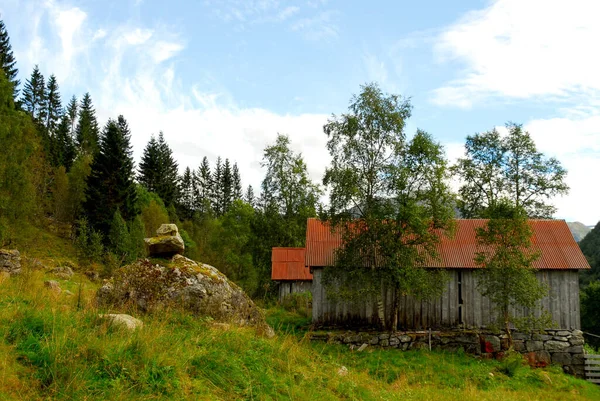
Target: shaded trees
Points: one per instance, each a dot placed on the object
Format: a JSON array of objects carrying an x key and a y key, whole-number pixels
[{"x": 158, "y": 170}]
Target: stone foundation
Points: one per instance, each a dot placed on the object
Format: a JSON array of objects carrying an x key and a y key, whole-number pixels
[{"x": 563, "y": 347}]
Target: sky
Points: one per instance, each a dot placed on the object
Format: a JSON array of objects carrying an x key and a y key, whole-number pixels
[{"x": 223, "y": 77}]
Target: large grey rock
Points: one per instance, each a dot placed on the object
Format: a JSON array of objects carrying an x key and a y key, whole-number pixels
[
  {"x": 165, "y": 244},
  {"x": 493, "y": 342},
  {"x": 198, "y": 288},
  {"x": 122, "y": 321},
  {"x": 10, "y": 261}
]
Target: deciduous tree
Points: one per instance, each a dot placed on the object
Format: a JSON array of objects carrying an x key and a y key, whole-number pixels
[
  {"x": 390, "y": 199},
  {"x": 509, "y": 167}
]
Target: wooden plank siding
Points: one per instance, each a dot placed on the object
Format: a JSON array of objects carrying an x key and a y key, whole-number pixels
[
  {"x": 289, "y": 287},
  {"x": 446, "y": 311}
]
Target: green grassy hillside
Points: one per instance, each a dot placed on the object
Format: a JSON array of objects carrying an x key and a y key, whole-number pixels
[{"x": 53, "y": 346}]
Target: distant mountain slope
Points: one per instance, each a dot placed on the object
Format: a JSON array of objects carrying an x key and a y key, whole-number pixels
[{"x": 579, "y": 230}]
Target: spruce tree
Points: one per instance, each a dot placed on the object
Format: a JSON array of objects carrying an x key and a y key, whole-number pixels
[
  {"x": 110, "y": 186},
  {"x": 237, "y": 183},
  {"x": 203, "y": 190},
  {"x": 53, "y": 106},
  {"x": 158, "y": 170},
  {"x": 226, "y": 187},
  {"x": 7, "y": 60},
  {"x": 34, "y": 96},
  {"x": 72, "y": 109},
  {"x": 186, "y": 194},
  {"x": 249, "y": 196},
  {"x": 169, "y": 179},
  {"x": 216, "y": 190},
  {"x": 63, "y": 148},
  {"x": 87, "y": 131}
]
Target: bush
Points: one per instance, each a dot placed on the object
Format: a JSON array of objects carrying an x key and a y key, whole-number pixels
[{"x": 299, "y": 302}]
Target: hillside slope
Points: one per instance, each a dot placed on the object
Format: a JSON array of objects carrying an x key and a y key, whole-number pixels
[{"x": 54, "y": 346}]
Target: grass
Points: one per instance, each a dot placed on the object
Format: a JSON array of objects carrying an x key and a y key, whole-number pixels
[{"x": 51, "y": 349}]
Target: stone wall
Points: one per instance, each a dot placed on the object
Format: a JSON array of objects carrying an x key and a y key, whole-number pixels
[{"x": 563, "y": 347}]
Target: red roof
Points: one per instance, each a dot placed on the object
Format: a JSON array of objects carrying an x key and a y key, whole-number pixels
[
  {"x": 288, "y": 264},
  {"x": 551, "y": 237}
]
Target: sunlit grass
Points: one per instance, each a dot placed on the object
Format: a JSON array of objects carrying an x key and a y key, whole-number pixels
[{"x": 51, "y": 349}]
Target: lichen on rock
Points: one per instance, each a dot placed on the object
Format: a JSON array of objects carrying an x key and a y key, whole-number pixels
[{"x": 180, "y": 282}]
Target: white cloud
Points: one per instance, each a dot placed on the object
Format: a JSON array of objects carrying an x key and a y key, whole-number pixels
[
  {"x": 320, "y": 27},
  {"x": 522, "y": 50},
  {"x": 129, "y": 72}
]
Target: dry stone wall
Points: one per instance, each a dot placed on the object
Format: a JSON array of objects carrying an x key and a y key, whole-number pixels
[{"x": 562, "y": 347}]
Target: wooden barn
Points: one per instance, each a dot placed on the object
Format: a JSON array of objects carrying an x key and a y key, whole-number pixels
[
  {"x": 289, "y": 271},
  {"x": 461, "y": 305}
]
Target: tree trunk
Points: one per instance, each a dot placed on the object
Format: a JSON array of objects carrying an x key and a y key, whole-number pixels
[
  {"x": 507, "y": 328},
  {"x": 395, "y": 310}
]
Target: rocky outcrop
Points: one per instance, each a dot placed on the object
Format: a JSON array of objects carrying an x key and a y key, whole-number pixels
[
  {"x": 561, "y": 347},
  {"x": 10, "y": 261},
  {"x": 62, "y": 272},
  {"x": 167, "y": 242},
  {"x": 182, "y": 283}
]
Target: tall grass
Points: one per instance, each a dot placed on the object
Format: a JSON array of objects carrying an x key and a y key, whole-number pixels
[{"x": 53, "y": 350}]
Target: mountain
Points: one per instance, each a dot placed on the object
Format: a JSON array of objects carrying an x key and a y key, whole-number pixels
[{"x": 579, "y": 230}]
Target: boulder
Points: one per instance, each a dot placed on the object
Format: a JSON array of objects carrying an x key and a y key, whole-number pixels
[
  {"x": 167, "y": 242},
  {"x": 10, "y": 261},
  {"x": 52, "y": 285},
  {"x": 182, "y": 283},
  {"x": 63, "y": 272},
  {"x": 122, "y": 321}
]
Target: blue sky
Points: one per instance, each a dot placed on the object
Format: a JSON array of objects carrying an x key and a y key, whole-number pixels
[{"x": 222, "y": 77}]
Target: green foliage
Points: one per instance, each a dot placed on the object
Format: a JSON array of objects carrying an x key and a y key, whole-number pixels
[
  {"x": 158, "y": 170},
  {"x": 590, "y": 310},
  {"x": 398, "y": 190},
  {"x": 511, "y": 167},
  {"x": 7, "y": 60},
  {"x": 78, "y": 176},
  {"x": 299, "y": 302},
  {"x": 53, "y": 105},
  {"x": 34, "y": 96},
  {"x": 118, "y": 237},
  {"x": 110, "y": 185},
  {"x": 89, "y": 243},
  {"x": 87, "y": 132},
  {"x": 508, "y": 278},
  {"x": 590, "y": 246},
  {"x": 153, "y": 215},
  {"x": 20, "y": 163}
]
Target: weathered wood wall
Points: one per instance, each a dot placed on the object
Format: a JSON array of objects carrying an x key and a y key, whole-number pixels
[
  {"x": 449, "y": 311},
  {"x": 289, "y": 287}
]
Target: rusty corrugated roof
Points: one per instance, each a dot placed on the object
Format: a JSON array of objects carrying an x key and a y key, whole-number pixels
[
  {"x": 288, "y": 264},
  {"x": 551, "y": 237}
]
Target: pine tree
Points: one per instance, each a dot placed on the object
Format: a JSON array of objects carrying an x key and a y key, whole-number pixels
[
  {"x": 110, "y": 186},
  {"x": 34, "y": 96},
  {"x": 158, "y": 170},
  {"x": 169, "y": 180},
  {"x": 186, "y": 194},
  {"x": 63, "y": 148},
  {"x": 237, "y": 183},
  {"x": 7, "y": 60},
  {"x": 87, "y": 131},
  {"x": 249, "y": 196},
  {"x": 72, "y": 109},
  {"x": 216, "y": 192},
  {"x": 53, "y": 106},
  {"x": 226, "y": 187},
  {"x": 203, "y": 190}
]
